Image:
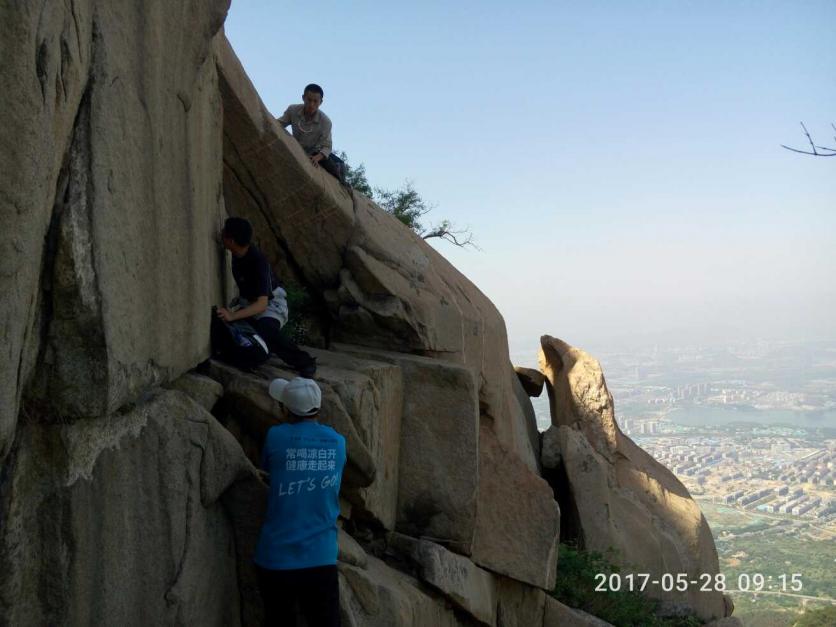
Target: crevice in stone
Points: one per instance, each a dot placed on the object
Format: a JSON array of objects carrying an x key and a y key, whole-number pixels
[
  {"x": 262, "y": 204},
  {"x": 41, "y": 69},
  {"x": 171, "y": 596},
  {"x": 66, "y": 59},
  {"x": 571, "y": 531},
  {"x": 31, "y": 406},
  {"x": 72, "y": 354}
]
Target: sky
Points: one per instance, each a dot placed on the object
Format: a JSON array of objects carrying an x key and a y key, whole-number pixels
[{"x": 618, "y": 163}]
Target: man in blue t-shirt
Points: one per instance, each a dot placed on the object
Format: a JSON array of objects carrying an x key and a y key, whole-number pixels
[{"x": 296, "y": 556}]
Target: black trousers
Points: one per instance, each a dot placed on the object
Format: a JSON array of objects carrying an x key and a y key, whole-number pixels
[
  {"x": 313, "y": 593},
  {"x": 333, "y": 165},
  {"x": 286, "y": 349}
]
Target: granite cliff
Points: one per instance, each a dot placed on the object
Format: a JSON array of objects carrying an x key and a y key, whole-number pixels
[{"x": 128, "y": 493}]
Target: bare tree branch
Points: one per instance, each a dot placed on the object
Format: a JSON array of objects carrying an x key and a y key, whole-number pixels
[
  {"x": 460, "y": 237},
  {"x": 829, "y": 152}
]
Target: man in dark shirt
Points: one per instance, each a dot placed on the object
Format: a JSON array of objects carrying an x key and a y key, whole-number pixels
[{"x": 261, "y": 299}]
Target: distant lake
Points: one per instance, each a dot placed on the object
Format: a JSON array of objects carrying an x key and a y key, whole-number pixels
[{"x": 696, "y": 415}]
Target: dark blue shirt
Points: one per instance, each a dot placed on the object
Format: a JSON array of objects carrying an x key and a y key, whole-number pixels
[
  {"x": 253, "y": 275},
  {"x": 305, "y": 461}
]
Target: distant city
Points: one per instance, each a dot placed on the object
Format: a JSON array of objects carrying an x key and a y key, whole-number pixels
[{"x": 750, "y": 429}]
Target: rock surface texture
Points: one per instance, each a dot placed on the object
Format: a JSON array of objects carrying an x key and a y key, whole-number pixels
[
  {"x": 622, "y": 498},
  {"x": 128, "y": 490}
]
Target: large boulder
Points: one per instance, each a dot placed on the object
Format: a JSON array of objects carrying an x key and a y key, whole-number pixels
[
  {"x": 380, "y": 596},
  {"x": 471, "y": 588},
  {"x": 519, "y": 605},
  {"x": 302, "y": 217},
  {"x": 532, "y": 380},
  {"x": 559, "y": 615},
  {"x": 125, "y": 525},
  {"x": 617, "y": 491},
  {"x": 110, "y": 193},
  {"x": 518, "y": 521},
  {"x": 438, "y": 476},
  {"x": 361, "y": 399},
  {"x": 204, "y": 390},
  {"x": 382, "y": 285}
]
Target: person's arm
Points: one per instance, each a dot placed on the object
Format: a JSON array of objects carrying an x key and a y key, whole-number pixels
[
  {"x": 259, "y": 306},
  {"x": 284, "y": 120},
  {"x": 324, "y": 146}
]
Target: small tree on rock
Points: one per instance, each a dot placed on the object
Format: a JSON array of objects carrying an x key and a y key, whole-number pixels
[{"x": 407, "y": 205}]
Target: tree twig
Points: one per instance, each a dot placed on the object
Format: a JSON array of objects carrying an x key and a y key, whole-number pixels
[{"x": 830, "y": 152}]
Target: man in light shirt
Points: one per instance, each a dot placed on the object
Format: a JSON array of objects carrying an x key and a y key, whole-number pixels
[{"x": 312, "y": 129}]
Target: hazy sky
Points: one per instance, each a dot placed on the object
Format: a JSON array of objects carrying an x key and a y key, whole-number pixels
[{"x": 618, "y": 162}]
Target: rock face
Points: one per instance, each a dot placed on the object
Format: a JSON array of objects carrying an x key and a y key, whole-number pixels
[
  {"x": 559, "y": 615},
  {"x": 519, "y": 522},
  {"x": 131, "y": 130},
  {"x": 622, "y": 497},
  {"x": 379, "y": 596},
  {"x": 111, "y": 188},
  {"x": 438, "y": 476},
  {"x": 460, "y": 580},
  {"x": 531, "y": 380},
  {"x": 200, "y": 388},
  {"x": 126, "y": 525},
  {"x": 382, "y": 285}
]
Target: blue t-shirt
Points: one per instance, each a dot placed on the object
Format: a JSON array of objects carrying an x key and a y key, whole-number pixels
[{"x": 305, "y": 461}]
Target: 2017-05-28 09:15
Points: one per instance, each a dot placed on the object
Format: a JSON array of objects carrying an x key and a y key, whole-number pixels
[{"x": 613, "y": 582}]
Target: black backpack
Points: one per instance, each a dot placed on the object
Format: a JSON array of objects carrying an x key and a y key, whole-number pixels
[{"x": 237, "y": 343}]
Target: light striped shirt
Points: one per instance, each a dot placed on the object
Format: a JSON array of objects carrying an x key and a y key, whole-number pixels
[{"x": 314, "y": 134}]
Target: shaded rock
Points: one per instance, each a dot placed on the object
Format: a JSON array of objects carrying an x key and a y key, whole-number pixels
[
  {"x": 371, "y": 391},
  {"x": 518, "y": 521},
  {"x": 245, "y": 502},
  {"x": 728, "y": 602},
  {"x": 559, "y": 615},
  {"x": 41, "y": 90},
  {"x": 302, "y": 217},
  {"x": 361, "y": 399},
  {"x": 204, "y": 390},
  {"x": 618, "y": 491},
  {"x": 728, "y": 621},
  {"x": 459, "y": 579},
  {"x": 397, "y": 293},
  {"x": 550, "y": 452},
  {"x": 251, "y": 411},
  {"x": 379, "y": 596},
  {"x": 345, "y": 508},
  {"x": 528, "y": 432},
  {"x": 126, "y": 525},
  {"x": 350, "y": 551},
  {"x": 532, "y": 380},
  {"x": 518, "y": 605},
  {"x": 101, "y": 147},
  {"x": 438, "y": 473}
]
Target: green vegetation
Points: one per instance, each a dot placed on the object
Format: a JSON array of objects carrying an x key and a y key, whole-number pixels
[
  {"x": 301, "y": 310},
  {"x": 576, "y": 585},
  {"x": 819, "y": 617},
  {"x": 407, "y": 205},
  {"x": 787, "y": 546}
]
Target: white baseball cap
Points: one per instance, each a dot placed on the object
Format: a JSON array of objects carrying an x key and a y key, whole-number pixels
[{"x": 301, "y": 396}]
